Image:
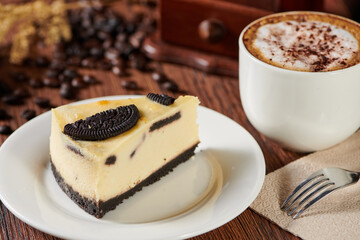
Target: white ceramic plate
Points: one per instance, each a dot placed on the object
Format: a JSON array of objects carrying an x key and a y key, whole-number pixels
[{"x": 209, "y": 190}]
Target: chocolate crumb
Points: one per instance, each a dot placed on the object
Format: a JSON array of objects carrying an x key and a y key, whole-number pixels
[{"x": 110, "y": 160}]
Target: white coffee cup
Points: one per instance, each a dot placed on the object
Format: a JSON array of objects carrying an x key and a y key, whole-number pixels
[{"x": 304, "y": 111}]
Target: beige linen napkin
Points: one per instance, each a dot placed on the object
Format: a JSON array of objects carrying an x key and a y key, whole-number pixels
[{"x": 336, "y": 216}]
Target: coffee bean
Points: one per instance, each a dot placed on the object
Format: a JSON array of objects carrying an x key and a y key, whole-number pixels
[
  {"x": 62, "y": 78},
  {"x": 137, "y": 39},
  {"x": 108, "y": 43},
  {"x": 58, "y": 64},
  {"x": 78, "y": 83},
  {"x": 139, "y": 61},
  {"x": 52, "y": 73},
  {"x": 70, "y": 73},
  {"x": 12, "y": 99},
  {"x": 92, "y": 43},
  {"x": 121, "y": 37},
  {"x": 111, "y": 54},
  {"x": 28, "y": 114},
  {"x": 67, "y": 91},
  {"x": 89, "y": 79},
  {"x": 148, "y": 25},
  {"x": 42, "y": 62},
  {"x": 51, "y": 82},
  {"x": 170, "y": 86},
  {"x": 130, "y": 27},
  {"x": 74, "y": 61},
  {"x": 20, "y": 77},
  {"x": 118, "y": 62},
  {"x": 101, "y": 35},
  {"x": 22, "y": 92},
  {"x": 119, "y": 71},
  {"x": 35, "y": 83},
  {"x": 158, "y": 77},
  {"x": 42, "y": 102},
  {"x": 4, "y": 88},
  {"x": 5, "y": 130},
  {"x": 60, "y": 56},
  {"x": 88, "y": 62},
  {"x": 129, "y": 85},
  {"x": 104, "y": 65},
  {"x": 96, "y": 52},
  {"x": 29, "y": 62},
  {"x": 136, "y": 18},
  {"x": 126, "y": 50},
  {"x": 3, "y": 114}
]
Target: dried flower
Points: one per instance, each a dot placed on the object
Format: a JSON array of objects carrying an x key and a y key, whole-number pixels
[{"x": 32, "y": 21}]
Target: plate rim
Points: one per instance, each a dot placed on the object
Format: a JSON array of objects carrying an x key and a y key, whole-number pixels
[{"x": 47, "y": 229}]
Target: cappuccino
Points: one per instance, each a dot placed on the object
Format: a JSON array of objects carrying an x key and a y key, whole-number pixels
[{"x": 305, "y": 41}]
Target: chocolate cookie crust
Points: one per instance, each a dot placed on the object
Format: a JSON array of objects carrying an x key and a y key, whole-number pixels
[{"x": 98, "y": 209}]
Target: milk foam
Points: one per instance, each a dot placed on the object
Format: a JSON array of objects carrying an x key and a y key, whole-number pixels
[{"x": 307, "y": 46}]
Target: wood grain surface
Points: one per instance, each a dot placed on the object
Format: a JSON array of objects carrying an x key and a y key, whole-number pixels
[{"x": 216, "y": 92}]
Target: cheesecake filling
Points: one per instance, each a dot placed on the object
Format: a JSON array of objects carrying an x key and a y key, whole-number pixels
[{"x": 134, "y": 156}]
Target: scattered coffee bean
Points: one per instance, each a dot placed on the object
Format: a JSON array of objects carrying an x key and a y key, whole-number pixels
[
  {"x": 5, "y": 129},
  {"x": 104, "y": 65},
  {"x": 12, "y": 99},
  {"x": 129, "y": 85},
  {"x": 118, "y": 62},
  {"x": 88, "y": 62},
  {"x": 121, "y": 37},
  {"x": 158, "y": 77},
  {"x": 126, "y": 50},
  {"x": 119, "y": 71},
  {"x": 62, "y": 78},
  {"x": 70, "y": 73},
  {"x": 74, "y": 61},
  {"x": 42, "y": 62},
  {"x": 3, "y": 114},
  {"x": 51, "y": 82},
  {"x": 22, "y": 92},
  {"x": 78, "y": 83},
  {"x": 52, "y": 73},
  {"x": 170, "y": 86},
  {"x": 20, "y": 77},
  {"x": 59, "y": 55},
  {"x": 58, "y": 64},
  {"x": 29, "y": 62},
  {"x": 92, "y": 43},
  {"x": 67, "y": 91},
  {"x": 137, "y": 39},
  {"x": 4, "y": 88},
  {"x": 28, "y": 114},
  {"x": 108, "y": 43},
  {"x": 42, "y": 102},
  {"x": 139, "y": 61},
  {"x": 102, "y": 35},
  {"x": 112, "y": 53},
  {"x": 89, "y": 79},
  {"x": 96, "y": 52},
  {"x": 35, "y": 82}
]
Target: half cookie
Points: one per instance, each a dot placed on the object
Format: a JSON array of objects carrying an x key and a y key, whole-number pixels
[{"x": 104, "y": 152}]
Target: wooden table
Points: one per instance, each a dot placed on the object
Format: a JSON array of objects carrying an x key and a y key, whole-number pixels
[{"x": 216, "y": 92}]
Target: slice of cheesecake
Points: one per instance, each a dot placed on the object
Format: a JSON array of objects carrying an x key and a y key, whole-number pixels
[{"x": 98, "y": 174}]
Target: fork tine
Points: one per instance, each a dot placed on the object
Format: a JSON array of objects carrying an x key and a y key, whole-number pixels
[
  {"x": 323, "y": 194},
  {"x": 322, "y": 186},
  {"x": 305, "y": 191},
  {"x": 303, "y": 183}
]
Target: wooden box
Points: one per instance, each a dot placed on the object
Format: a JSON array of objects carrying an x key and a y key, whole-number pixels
[{"x": 204, "y": 33}]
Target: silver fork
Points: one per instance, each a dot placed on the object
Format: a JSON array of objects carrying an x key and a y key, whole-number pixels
[{"x": 324, "y": 181}]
